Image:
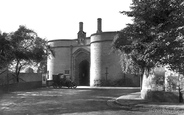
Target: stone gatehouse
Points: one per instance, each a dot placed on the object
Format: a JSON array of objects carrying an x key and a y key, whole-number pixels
[{"x": 87, "y": 60}]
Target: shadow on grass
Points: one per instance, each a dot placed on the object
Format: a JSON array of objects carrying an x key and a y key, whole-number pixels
[
  {"x": 162, "y": 97},
  {"x": 155, "y": 100}
]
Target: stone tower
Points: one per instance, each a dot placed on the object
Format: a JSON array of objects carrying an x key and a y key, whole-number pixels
[{"x": 104, "y": 63}]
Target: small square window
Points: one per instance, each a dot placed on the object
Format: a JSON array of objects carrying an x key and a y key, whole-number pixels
[{"x": 67, "y": 71}]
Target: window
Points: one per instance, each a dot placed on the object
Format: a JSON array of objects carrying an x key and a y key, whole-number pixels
[{"x": 67, "y": 71}]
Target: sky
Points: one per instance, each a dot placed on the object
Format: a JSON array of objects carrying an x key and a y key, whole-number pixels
[{"x": 59, "y": 19}]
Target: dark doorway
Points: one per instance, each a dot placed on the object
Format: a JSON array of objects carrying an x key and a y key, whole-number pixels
[{"x": 84, "y": 73}]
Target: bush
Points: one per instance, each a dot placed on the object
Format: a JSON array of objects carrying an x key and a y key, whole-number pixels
[
  {"x": 124, "y": 83},
  {"x": 117, "y": 83}
]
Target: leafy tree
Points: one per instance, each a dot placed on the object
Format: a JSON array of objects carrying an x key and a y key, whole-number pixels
[
  {"x": 28, "y": 49},
  {"x": 129, "y": 66},
  {"x": 5, "y": 50},
  {"x": 155, "y": 37},
  {"x": 176, "y": 81},
  {"x": 42, "y": 68},
  {"x": 5, "y": 55}
]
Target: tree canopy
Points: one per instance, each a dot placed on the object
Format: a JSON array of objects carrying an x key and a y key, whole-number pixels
[
  {"x": 5, "y": 50},
  {"x": 156, "y": 35},
  {"x": 22, "y": 48}
]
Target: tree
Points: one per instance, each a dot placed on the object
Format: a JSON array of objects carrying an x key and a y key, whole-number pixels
[
  {"x": 5, "y": 50},
  {"x": 5, "y": 55},
  {"x": 129, "y": 66},
  {"x": 28, "y": 49},
  {"x": 155, "y": 37},
  {"x": 175, "y": 81},
  {"x": 42, "y": 68}
]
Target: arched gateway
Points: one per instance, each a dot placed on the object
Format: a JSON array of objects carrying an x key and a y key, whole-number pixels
[{"x": 81, "y": 67}]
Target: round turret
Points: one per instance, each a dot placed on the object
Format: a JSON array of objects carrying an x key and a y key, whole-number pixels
[
  {"x": 61, "y": 61},
  {"x": 104, "y": 62}
]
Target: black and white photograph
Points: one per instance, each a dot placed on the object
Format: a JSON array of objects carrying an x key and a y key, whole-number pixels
[{"x": 92, "y": 57}]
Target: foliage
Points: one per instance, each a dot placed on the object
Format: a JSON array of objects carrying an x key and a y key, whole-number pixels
[
  {"x": 28, "y": 49},
  {"x": 175, "y": 81},
  {"x": 156, "y": 35},
  {"x": 21, "y": 48},
  {"x": 42, "y": 67},
  {"x": 5, "y": 50},
  {"x": 122, "y": 82},
  {"x": 128, "y": 65}
]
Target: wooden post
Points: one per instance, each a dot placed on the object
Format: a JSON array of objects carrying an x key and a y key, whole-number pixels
[{"x": 106, "y": 73}]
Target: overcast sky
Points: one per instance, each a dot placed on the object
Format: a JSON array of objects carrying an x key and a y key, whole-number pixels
[{"x": 59, "y": 19}]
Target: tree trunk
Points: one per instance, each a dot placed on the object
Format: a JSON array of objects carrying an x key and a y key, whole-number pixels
[
  {"x": 124, "y": 78},
  {"x": 147, "y": 79},
  {"x": 17, "y": 77},
  {"x": 141, "y": 79},
  {"x": 180, "y": 95},
  {"x": 17, "y": 72}
]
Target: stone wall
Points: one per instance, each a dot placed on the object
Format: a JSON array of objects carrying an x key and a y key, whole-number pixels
[
  {"x": 31, "y": 77},
  {"x": 20, "y": 86},
  {"x": 26, "y": 81},
  {"x": 23, "y": 77}
]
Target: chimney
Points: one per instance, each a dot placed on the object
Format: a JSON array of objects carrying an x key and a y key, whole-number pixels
[
  {"x": 80, "y": 26},
  {"x": 81, "y": 34},
  {"x": 99, "y": 25}
]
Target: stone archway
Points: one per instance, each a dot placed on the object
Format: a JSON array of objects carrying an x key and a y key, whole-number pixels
[{"x": 81, "y": 67}]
